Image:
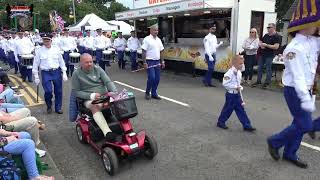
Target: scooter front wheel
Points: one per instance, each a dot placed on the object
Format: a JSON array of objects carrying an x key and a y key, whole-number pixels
[
  {"x": 110, "y": 161},
  {"x": 151, "y": 147}
]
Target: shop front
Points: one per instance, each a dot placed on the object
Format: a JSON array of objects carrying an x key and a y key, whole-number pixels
[{"x": 184, "y": 24}]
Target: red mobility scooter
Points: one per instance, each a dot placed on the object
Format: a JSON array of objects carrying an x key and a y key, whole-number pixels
[{"x": 127, "y": 145}]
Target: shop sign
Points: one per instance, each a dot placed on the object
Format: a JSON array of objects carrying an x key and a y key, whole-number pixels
[
  {"x": 162, "y": 9},
  {"x": 147, "y": 3}
]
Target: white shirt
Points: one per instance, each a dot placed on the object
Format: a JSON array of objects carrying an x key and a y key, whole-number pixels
[
  {"x": 3, "y": 44},
  {"x": 251, "y": 46},
  {"x": 56, "y": 42},
  {"x": 36, "y": 39},
  {"x": 101, "y": 42},
  {"x": 23, "y": 46},
  {"x": 48, "y": 59},
  {"x": 210, "y": 43},
  {"x": 67, "y": 43},
  {"x": 232, "y": 79},
  {"x": 153, "y": 47},
  {"x": 88, "y": 42},
  {"x": 11, "y": 44},
  {"x": 133, "y": 44},
  {"x": 300, "y": 59},
  {"x": 80, "y": 41},
  {"x": 120, "y": 44}
]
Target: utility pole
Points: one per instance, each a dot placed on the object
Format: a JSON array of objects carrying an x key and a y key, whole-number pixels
[{"x": 74, "y": 12}]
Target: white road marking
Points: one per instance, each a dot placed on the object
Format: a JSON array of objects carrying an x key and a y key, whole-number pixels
[
  {"x": 163, "y": 97},
  {"x": 310, "y": 146},
  {"x": 187, "y": 105}
]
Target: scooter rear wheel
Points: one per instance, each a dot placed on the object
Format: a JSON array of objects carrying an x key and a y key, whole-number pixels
[
  {"x": 110, "y": 161},
  {"x": 151, "y": 147},
  {"x": 80, "y": 134}
]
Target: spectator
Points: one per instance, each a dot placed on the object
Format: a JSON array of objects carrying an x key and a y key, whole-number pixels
[
  {"x": 270, "y": 42},
  {"x": 20, "y": 143},
  {"x": 250, "y": 46}
]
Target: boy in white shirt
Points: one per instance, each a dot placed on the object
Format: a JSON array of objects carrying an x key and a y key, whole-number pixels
[{"x": 234, "y": 101}]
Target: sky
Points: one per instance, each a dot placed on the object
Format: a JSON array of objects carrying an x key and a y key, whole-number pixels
[{"x": 127, "y": 3}]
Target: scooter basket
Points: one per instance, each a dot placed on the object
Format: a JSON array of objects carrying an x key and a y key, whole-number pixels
[{"x": 124, "y": 108}]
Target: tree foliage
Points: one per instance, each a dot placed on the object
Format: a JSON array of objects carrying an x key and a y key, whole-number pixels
[
  {"x": 282, "y": 6},
  {"x": 63, "y": 8}
]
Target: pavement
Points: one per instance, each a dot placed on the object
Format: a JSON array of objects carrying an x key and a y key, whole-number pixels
[{"x": 183, "y": 123}]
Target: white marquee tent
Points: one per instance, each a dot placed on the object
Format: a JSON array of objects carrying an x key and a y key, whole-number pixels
[
  {"x": 124, "y": 27},
  {"x": 93, "y": 22}
]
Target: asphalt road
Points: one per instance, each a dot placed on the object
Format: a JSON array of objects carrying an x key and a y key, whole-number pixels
[{"x": 190, "y": 146}]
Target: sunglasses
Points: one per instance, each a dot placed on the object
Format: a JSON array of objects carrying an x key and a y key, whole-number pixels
[
  {"x": 252, "y": 32},
  {"x": 269, "y": 27}
]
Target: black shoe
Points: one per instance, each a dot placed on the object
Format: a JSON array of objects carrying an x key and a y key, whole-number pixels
[
  {"x": 297, "y": 162},
  {"x": 49, "y": 110},
  {"x": 156, "y": 97},
  {"x": 204, "y": 83},
  {"x": 30, "y": 81},
  {"x": 312, "y": 134},
  {"x": 23, "y": 80},
  {"x": 147, "y": 97},
  {"x": 59, "y": 112},
  {"x": 255, "y": 84},
  {"x": 211, "y": 85},
  {"x": 265, "y": 85},
  {"x": 274, "y": 153},
  {"x": 250, "y": 129},
  {"x": 222, "y": 126},
  {"x": 110, "y": 136}
]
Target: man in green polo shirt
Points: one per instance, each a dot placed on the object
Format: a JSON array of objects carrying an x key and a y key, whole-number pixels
[{"x": 90, "y": 82}]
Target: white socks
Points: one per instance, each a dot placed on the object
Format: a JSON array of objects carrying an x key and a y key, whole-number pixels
[{"x": 40, "y": 152}]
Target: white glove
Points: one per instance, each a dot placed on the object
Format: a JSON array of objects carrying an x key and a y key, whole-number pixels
[
  {"x": 211, "y": 58},
  {"x": 221, "y": 42},
  {"x": 308, "y": 106},
  {"x": 36, "y": 79},
  {"x": 64, "y": 76}
]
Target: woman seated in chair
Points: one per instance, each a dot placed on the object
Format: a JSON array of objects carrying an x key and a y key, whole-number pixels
[{"x": 20, "y": 143}]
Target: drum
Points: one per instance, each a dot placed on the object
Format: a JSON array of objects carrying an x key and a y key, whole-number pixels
[
  {"x": 127, "y": 52},
  {"x": 27, "y": 60},
  {"x": 74, "y": 58},
  {"x": 113, "y": 52},
  {"x": 107, "y": 55}
]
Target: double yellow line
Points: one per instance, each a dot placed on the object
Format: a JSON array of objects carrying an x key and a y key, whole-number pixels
[{"x": 28, "y": 92}]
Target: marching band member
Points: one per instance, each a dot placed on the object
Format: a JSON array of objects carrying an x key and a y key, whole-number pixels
[
  {"x": 56, "y": 41},
  {"x": 298, "y": 78},
  {"x": 53, "y": 70},
  {"x": 36, "y": 38},
  {"x": 133, "y": 44},
  {"x": 10, "y": 53},
  {"x": 231, "y": 81},
  {"x": 88, "y": 43},
  {"x": 67, "y": 44},
  {"x": 23, "y": 46},
  {"x": 120, "y": 45},
  {"x": 100, "y": 43}
]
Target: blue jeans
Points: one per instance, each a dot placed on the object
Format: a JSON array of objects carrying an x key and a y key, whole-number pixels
[
  {"x": 208, "y": 76},
  {"x": 10, "y": 107},
  {"x": 268, "y": 62},
  {"x": 121, "y": 61},
  {"x": 25, "y": 147},
  {"x": 249, "y": 63},
  {"x": 233, "y": 103},
  {"x": 291, "y": 136},
  {"x": 133, "y": 57},
  {"x": 8, "y": 96},
  {"x": 55, "y": 78},
  {"x": 153, "y": 77}
]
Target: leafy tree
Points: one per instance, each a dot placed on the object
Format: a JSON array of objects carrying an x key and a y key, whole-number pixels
[{"x": 63, "y": 8}]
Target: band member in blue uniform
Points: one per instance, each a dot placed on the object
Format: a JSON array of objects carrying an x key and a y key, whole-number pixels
[
  {"x": 53, "y": 70},
  {"x": 300, "y": 58},
  {"x": 234, "y": 102}
]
